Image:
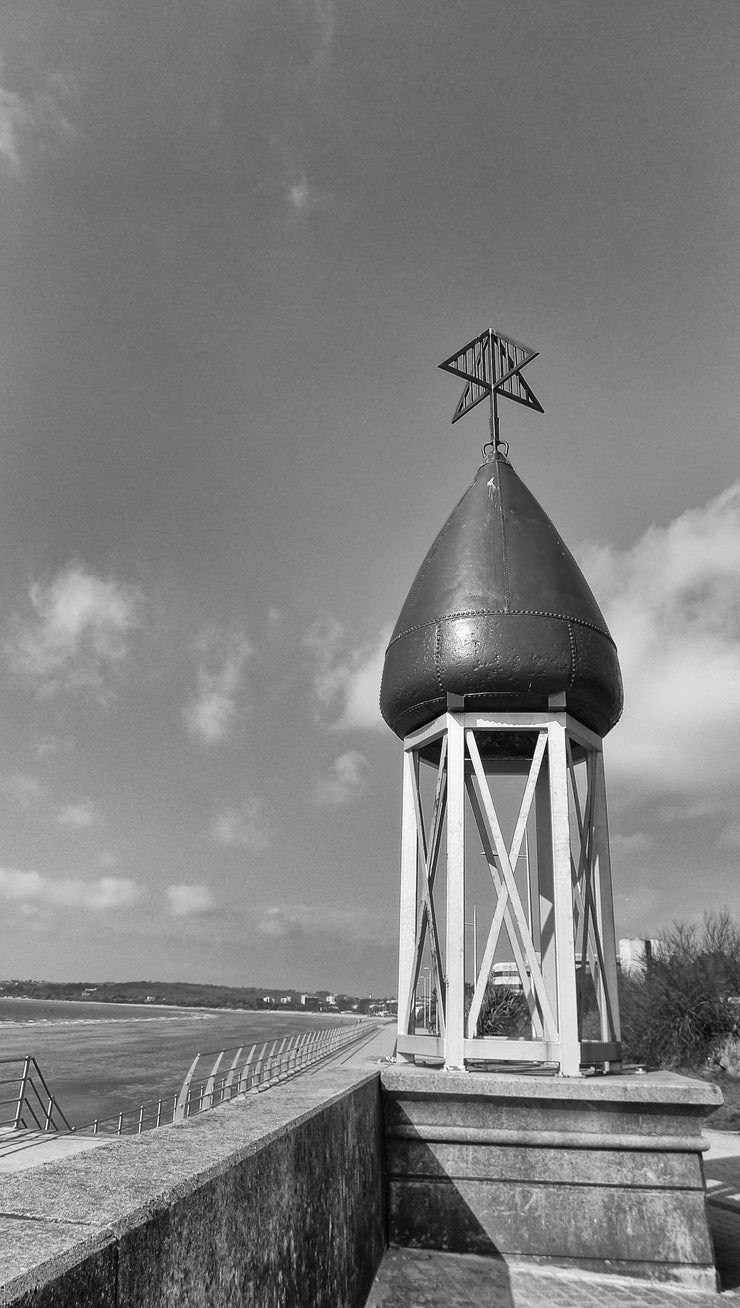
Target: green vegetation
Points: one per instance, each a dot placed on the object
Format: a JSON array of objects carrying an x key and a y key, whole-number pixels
[
  {"x": 181, "y": 993},
  {"x": 683, "y": 1011}
]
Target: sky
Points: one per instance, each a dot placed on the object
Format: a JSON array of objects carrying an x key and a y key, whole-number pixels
[{"x": 236, "y": 239}]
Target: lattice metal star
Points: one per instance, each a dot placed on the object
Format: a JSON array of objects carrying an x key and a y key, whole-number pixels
[{"x": 492, "y": 365}]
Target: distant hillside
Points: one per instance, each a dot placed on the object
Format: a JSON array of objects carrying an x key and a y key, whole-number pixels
[{"x": 182, "y": 993}]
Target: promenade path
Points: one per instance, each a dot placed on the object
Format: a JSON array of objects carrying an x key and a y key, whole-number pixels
[{"x": 411, "y": 1278}]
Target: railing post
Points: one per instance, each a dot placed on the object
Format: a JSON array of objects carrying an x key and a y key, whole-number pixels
[
  {"x": 18, "y": 1122},
  {"x": 180, "y": 1110},
  {"x": 243, "y": 1082},
  {"x": 226, "y": 1089},
  {"x": 207, "y": 1094}
]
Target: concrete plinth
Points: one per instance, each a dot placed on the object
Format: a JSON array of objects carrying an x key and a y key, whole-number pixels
[{"x": 600, "y": 1173}]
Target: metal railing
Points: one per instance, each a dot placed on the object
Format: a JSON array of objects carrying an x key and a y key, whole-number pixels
[
  {"x": 26, "y": 1102},
  {"x": 235, "y": 1071}
]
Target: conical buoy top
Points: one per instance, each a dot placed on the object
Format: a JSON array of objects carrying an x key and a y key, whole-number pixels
[{"x": 501, "y": 615}]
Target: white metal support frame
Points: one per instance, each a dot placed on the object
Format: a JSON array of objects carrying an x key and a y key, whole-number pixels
[{"x": 557, "y": 928}]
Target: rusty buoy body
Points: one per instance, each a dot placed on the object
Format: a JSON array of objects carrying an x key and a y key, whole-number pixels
[{"x": 501, "y": 616}]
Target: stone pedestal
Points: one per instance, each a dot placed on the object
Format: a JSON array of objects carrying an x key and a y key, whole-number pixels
[{"x": 602, "y": 1173}]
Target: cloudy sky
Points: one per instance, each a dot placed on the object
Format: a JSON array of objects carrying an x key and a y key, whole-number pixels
[{"x": 236, "y": 238}]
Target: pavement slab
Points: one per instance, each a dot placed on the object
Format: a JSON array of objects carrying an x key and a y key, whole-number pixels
[{"x": 414, "y": 1278}]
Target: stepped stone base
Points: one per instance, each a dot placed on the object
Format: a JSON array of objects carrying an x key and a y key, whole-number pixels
[{"x": 600, "y": 1173}]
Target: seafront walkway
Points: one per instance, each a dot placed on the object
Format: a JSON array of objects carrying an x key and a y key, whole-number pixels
[
  {"x": 420, "y": 1279},
  {"x": 414, "y": 1278}
]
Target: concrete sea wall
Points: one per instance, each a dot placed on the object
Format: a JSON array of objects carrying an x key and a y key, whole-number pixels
[{"x": 273, "y": 1201}]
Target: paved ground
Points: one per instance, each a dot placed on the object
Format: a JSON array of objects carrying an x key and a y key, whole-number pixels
[
  {"x": 20, "y": 1150},
  {"x": 412, "y": 1279}
]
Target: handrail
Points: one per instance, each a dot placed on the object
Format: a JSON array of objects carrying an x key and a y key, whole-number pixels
[
  {"x": 249, "y": 1070},
  {"x": 216, "y": 1085},
  {"x": 31, "y": 1110}
]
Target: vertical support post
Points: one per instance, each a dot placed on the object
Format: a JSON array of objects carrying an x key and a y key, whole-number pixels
[
  {"x": 605, "y": 903},
  {"x": 409, "y": 895},
  {"x": 544, "y": 894},
  {"x": 570, "y": 1049},
  {"x": 455, "y": 920}
]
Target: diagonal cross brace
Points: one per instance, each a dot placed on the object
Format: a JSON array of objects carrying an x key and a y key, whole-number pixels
[
  {"x": 507, "y": 873},
  {"x": 430, "y": 858}
]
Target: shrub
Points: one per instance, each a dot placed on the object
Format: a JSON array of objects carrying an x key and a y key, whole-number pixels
[
  {"x": 504, "y": 1012},
  {"x": 683, "y": 1007}
]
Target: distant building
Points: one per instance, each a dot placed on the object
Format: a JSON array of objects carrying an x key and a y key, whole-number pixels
[
  {"x": 635, "y": 953},
  {"x": 506, "y": 974},
  {"x": 312, "y": 1002}
]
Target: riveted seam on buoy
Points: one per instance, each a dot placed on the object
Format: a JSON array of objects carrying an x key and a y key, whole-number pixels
[
  {"x": 414, "y": 708},
  {"x": 573, "y": 654},
  {"x": 504, "y": 613},
  {"x": 438, "y": 654}
]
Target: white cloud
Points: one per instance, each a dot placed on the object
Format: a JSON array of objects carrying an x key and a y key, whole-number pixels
[
  {"x": 729, "y": 837},
  {"x": 77, "y": 817},
  {"x": 346, "y": 680},
  {"x": 33, "y": 888},
  {"x": 248, "y": 826},
  {"x": 627, "y": 845},
  {"x": 347, "y": 780},
  {"x": 672, "y": 602},
  {"x": 305, "y": 198},
  {"x": 221, "y": 661},
  {"x": 188, "y": 901},
  {"x": 280, "y": 920},
  {"x": 14, "y": 115},
  {"x": 274, "y": 923},
  {"x": 41, "y": 114},
  {"x": 326, "y": 19},
  {"x": 79, "y": 632},
  {"x": 25, "y": 791}
]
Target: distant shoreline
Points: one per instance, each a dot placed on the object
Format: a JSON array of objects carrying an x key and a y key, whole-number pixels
[{"x": 186, "y": 1010}]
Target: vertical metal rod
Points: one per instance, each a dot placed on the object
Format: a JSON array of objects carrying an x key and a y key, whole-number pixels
[
  {"x": 409, "y": 897},
  {"x": 570, "y": 1051},
  {"x": 455, "y": 922},
  {"x": 605, "y": 906},
  {"x": 21, "y": 1094}
]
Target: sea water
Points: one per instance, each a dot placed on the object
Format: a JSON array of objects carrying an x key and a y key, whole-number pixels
[{"x": 101, "y": 1059}]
